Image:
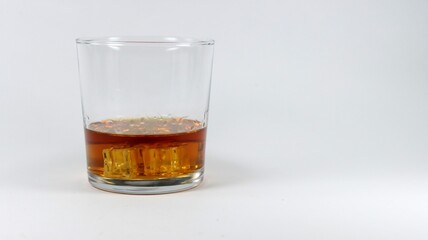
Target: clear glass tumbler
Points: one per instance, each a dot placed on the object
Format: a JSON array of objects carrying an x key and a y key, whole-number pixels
[{"x": 145, "y": 108}]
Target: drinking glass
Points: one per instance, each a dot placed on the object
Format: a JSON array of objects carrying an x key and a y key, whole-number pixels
[{"x": 145, "y": 111}]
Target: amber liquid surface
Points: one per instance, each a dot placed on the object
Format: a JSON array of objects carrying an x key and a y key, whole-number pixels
[{"x": 145, "y": 148}]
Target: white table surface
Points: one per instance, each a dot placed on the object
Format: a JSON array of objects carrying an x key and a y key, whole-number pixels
[{"x": 318, "y": 122}]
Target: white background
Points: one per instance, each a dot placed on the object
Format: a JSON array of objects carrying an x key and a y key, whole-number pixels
[{"x": 318, "y": 121}]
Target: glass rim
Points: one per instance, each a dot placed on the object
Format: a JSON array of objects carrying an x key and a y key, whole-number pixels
[{"x": 142, "y": 40}]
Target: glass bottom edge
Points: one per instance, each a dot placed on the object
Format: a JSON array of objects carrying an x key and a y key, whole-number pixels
[{"x": 147, "y": 187}]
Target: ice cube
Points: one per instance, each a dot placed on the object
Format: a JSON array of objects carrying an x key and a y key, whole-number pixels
[{"x": 120, "y": 162}]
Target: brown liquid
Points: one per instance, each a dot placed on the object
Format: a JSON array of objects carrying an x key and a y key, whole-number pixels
[{"x": 145, "y": 148}]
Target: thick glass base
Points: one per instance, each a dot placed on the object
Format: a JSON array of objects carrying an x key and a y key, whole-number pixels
[{"x": 157, "y": 186}]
